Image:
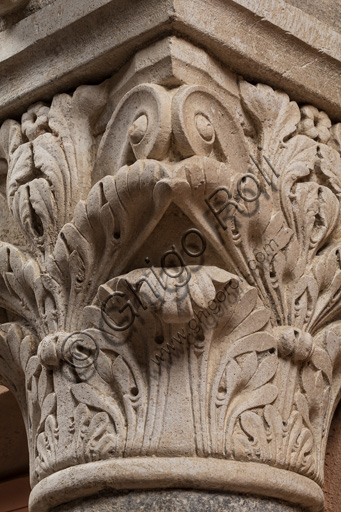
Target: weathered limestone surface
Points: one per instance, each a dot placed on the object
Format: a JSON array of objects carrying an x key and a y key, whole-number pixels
[
  {"x": 170, "y": 314},
  {"x": 175, "y": 500},
  {"x": 44, "y": 53},
  {"x": 332, "y": 489},
  {"x": 326, "y": 11}
]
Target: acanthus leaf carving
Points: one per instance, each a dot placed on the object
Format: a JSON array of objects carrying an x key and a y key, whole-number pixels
[{"x": 139, "y": 286}]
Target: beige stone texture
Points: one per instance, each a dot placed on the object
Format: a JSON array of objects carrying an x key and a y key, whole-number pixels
[
  {"x": 326, "y": 11},
  {"x": 170, "y": 280},
  {"x": 290, "y": 49}
]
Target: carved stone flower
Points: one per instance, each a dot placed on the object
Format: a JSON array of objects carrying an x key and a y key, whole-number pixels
[
  {"x": 295, "y": 343},
  {"x": 172, "y": 293},
  {"x": 314, "y": 124},
  {"x": 35, "y": 121}
]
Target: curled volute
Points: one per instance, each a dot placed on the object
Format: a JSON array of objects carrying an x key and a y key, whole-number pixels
[
  {"x": 139, "y": 128},
  {"x": 203, "y": 126}
]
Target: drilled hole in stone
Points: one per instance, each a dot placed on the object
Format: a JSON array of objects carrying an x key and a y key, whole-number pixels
[{"x": 134, "y": 391}]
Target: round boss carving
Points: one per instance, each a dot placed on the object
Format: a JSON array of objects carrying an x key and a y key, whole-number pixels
[
  {"x": 205, "y": 128},
  {"x": 138, "y": 129}
]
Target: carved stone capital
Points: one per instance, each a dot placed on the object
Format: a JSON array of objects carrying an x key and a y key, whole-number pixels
[{"x": 174, "y": 320}]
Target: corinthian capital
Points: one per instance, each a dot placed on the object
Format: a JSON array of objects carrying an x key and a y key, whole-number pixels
[{"x": 174, "y": 318}]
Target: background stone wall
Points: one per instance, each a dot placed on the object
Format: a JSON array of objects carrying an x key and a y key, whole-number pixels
[{"x": 332, "y": 488}]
